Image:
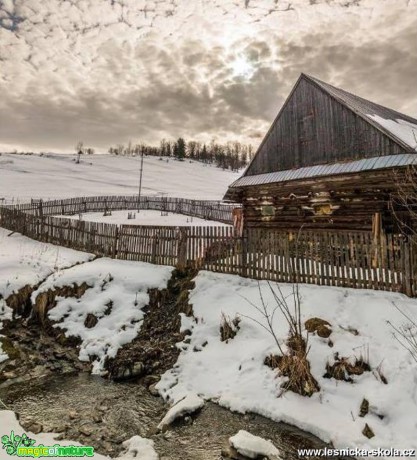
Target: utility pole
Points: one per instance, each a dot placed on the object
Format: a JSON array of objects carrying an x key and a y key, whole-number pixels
[{"x": 140, "y": 179}]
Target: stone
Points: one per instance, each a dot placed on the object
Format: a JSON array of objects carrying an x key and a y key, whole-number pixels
[
  {"x": 58, "y": 428},
  {"x": 367, "y": 431},
  {"x": 152, "y": 390},
  {"x": 72, "y": 414},
  {"x": 86, "y": 430},
  {"x": 59, "y": 354},
  {"x": 150, "y": 379},
  {"x": 96, "y": 416},
  {"x": 232, "y": 453},
  {"x": 364, "y": 409},
  {"x": 128, "y": 371},
  {"x": 9, "y": 375},
  {"x": 90, "y": 321},
  {"x": 34, "y": 427}
]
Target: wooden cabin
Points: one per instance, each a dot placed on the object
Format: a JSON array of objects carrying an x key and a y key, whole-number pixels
[{"x": 331, "y": 160}]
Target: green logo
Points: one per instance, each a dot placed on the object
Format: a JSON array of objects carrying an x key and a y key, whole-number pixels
[{"x": 23, "y": 446}]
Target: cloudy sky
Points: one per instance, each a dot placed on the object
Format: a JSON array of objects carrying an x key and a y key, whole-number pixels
[{"x": 110, "y": 71}]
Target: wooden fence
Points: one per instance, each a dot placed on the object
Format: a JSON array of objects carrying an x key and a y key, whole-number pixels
[
  {"x": 205, "y": 209},
  {"x": 348, "y": 259}
]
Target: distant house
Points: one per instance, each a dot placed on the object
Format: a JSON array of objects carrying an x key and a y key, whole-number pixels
[{"x": 329, "y": 161}]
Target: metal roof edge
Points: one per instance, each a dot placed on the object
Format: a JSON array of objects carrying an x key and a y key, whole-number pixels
[{"x": 338, "y": 168}]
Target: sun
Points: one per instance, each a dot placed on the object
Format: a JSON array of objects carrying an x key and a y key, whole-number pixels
[{"x": 241, "y": 67}]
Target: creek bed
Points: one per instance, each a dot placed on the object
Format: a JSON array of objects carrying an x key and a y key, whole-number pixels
[{"x": 114, "y": 412}]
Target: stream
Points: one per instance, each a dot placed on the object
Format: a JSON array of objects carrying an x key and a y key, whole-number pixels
[{"x": 101, "y": 413}]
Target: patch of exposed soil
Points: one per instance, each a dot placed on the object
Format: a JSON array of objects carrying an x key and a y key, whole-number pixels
[{"x": 154, "y": 347}]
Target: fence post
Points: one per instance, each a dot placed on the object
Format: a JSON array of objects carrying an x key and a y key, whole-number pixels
[
  {"x": 155, "y": 244},
  {"x": 182, "y": 249},
  {"x": 116, "y": 243},
  {"x": 244, "y": 242},
  {"x": 406, "y": 262}
]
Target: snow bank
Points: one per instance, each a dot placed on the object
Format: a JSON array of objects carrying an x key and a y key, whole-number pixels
[
  {"x": 139, "y": 448},
  {"x": 233, "y": 373},
  {"x": 190, "y": 404},
  {"x": 24, "y": 261},
  {"x": 253, "y": 446},
  {"x": 119, "y": 291}
]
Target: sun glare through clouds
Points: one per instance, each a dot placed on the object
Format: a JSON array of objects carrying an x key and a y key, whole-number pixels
[{"x": 242, "y": 67}]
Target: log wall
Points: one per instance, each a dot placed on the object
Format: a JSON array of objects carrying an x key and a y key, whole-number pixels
[{"x": 343, "y": 202}]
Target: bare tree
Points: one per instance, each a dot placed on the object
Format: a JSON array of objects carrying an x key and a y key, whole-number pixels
[
  {"x": 79, "y": 150},
  {"x": 406, "y": 335},
  {"x": 403, "y": 201}
]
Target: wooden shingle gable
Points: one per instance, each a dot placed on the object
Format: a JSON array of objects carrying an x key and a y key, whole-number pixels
[{"x": 319, "y": 124}]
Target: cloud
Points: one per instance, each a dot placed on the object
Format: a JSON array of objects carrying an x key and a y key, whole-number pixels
[{"x": 107, "y": 71}]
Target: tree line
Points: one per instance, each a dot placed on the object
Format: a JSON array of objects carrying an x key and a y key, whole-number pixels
[{"x": 232, "y": 155}]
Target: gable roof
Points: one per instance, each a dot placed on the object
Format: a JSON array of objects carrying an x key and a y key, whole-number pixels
[
  {"x": 401, "y": 128},
  {"x": 398, "y": 129}
]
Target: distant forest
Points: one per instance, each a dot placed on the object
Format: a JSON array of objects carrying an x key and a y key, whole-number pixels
[{"x": 232, "y": 155}]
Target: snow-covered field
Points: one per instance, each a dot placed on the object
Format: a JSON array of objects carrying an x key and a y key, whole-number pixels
[
  {"x": 146, "y": 217},
  {"x": 233, "y": 373},
  {"x": 58, "y": 176}
]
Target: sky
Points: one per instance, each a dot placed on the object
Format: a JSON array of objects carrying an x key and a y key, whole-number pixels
[{"x": 107, "y": 72}]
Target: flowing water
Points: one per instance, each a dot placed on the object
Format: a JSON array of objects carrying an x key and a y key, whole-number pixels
[{"x": 114, "y": 412}]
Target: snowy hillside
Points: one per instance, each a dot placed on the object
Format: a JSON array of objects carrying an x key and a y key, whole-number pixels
[{"x": 58, "y": 176}]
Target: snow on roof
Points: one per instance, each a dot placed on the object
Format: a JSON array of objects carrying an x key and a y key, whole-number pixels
[{"x": 404, "y": 130}]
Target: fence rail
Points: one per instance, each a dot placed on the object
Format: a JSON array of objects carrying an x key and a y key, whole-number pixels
[
  {"x": 205, "y": 209},
  {"x": 347, "y": 259}
]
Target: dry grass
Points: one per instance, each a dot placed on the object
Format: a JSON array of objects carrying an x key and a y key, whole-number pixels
[
  {"x": 229, "y": 327},
  {"x": 344, "y": 368}
]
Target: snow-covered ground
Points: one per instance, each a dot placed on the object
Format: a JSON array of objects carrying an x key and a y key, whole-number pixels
[
  {"x": 145, "y": 217},
  {"x": 118, "y": 292},
  {"x": 58, "y": 176},
  {"x": 25, "y": 261},
  {"x": 233, "y": 373}
]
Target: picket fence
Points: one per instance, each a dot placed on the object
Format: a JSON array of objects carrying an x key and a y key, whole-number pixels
[{"x": 345, "y": 259}]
